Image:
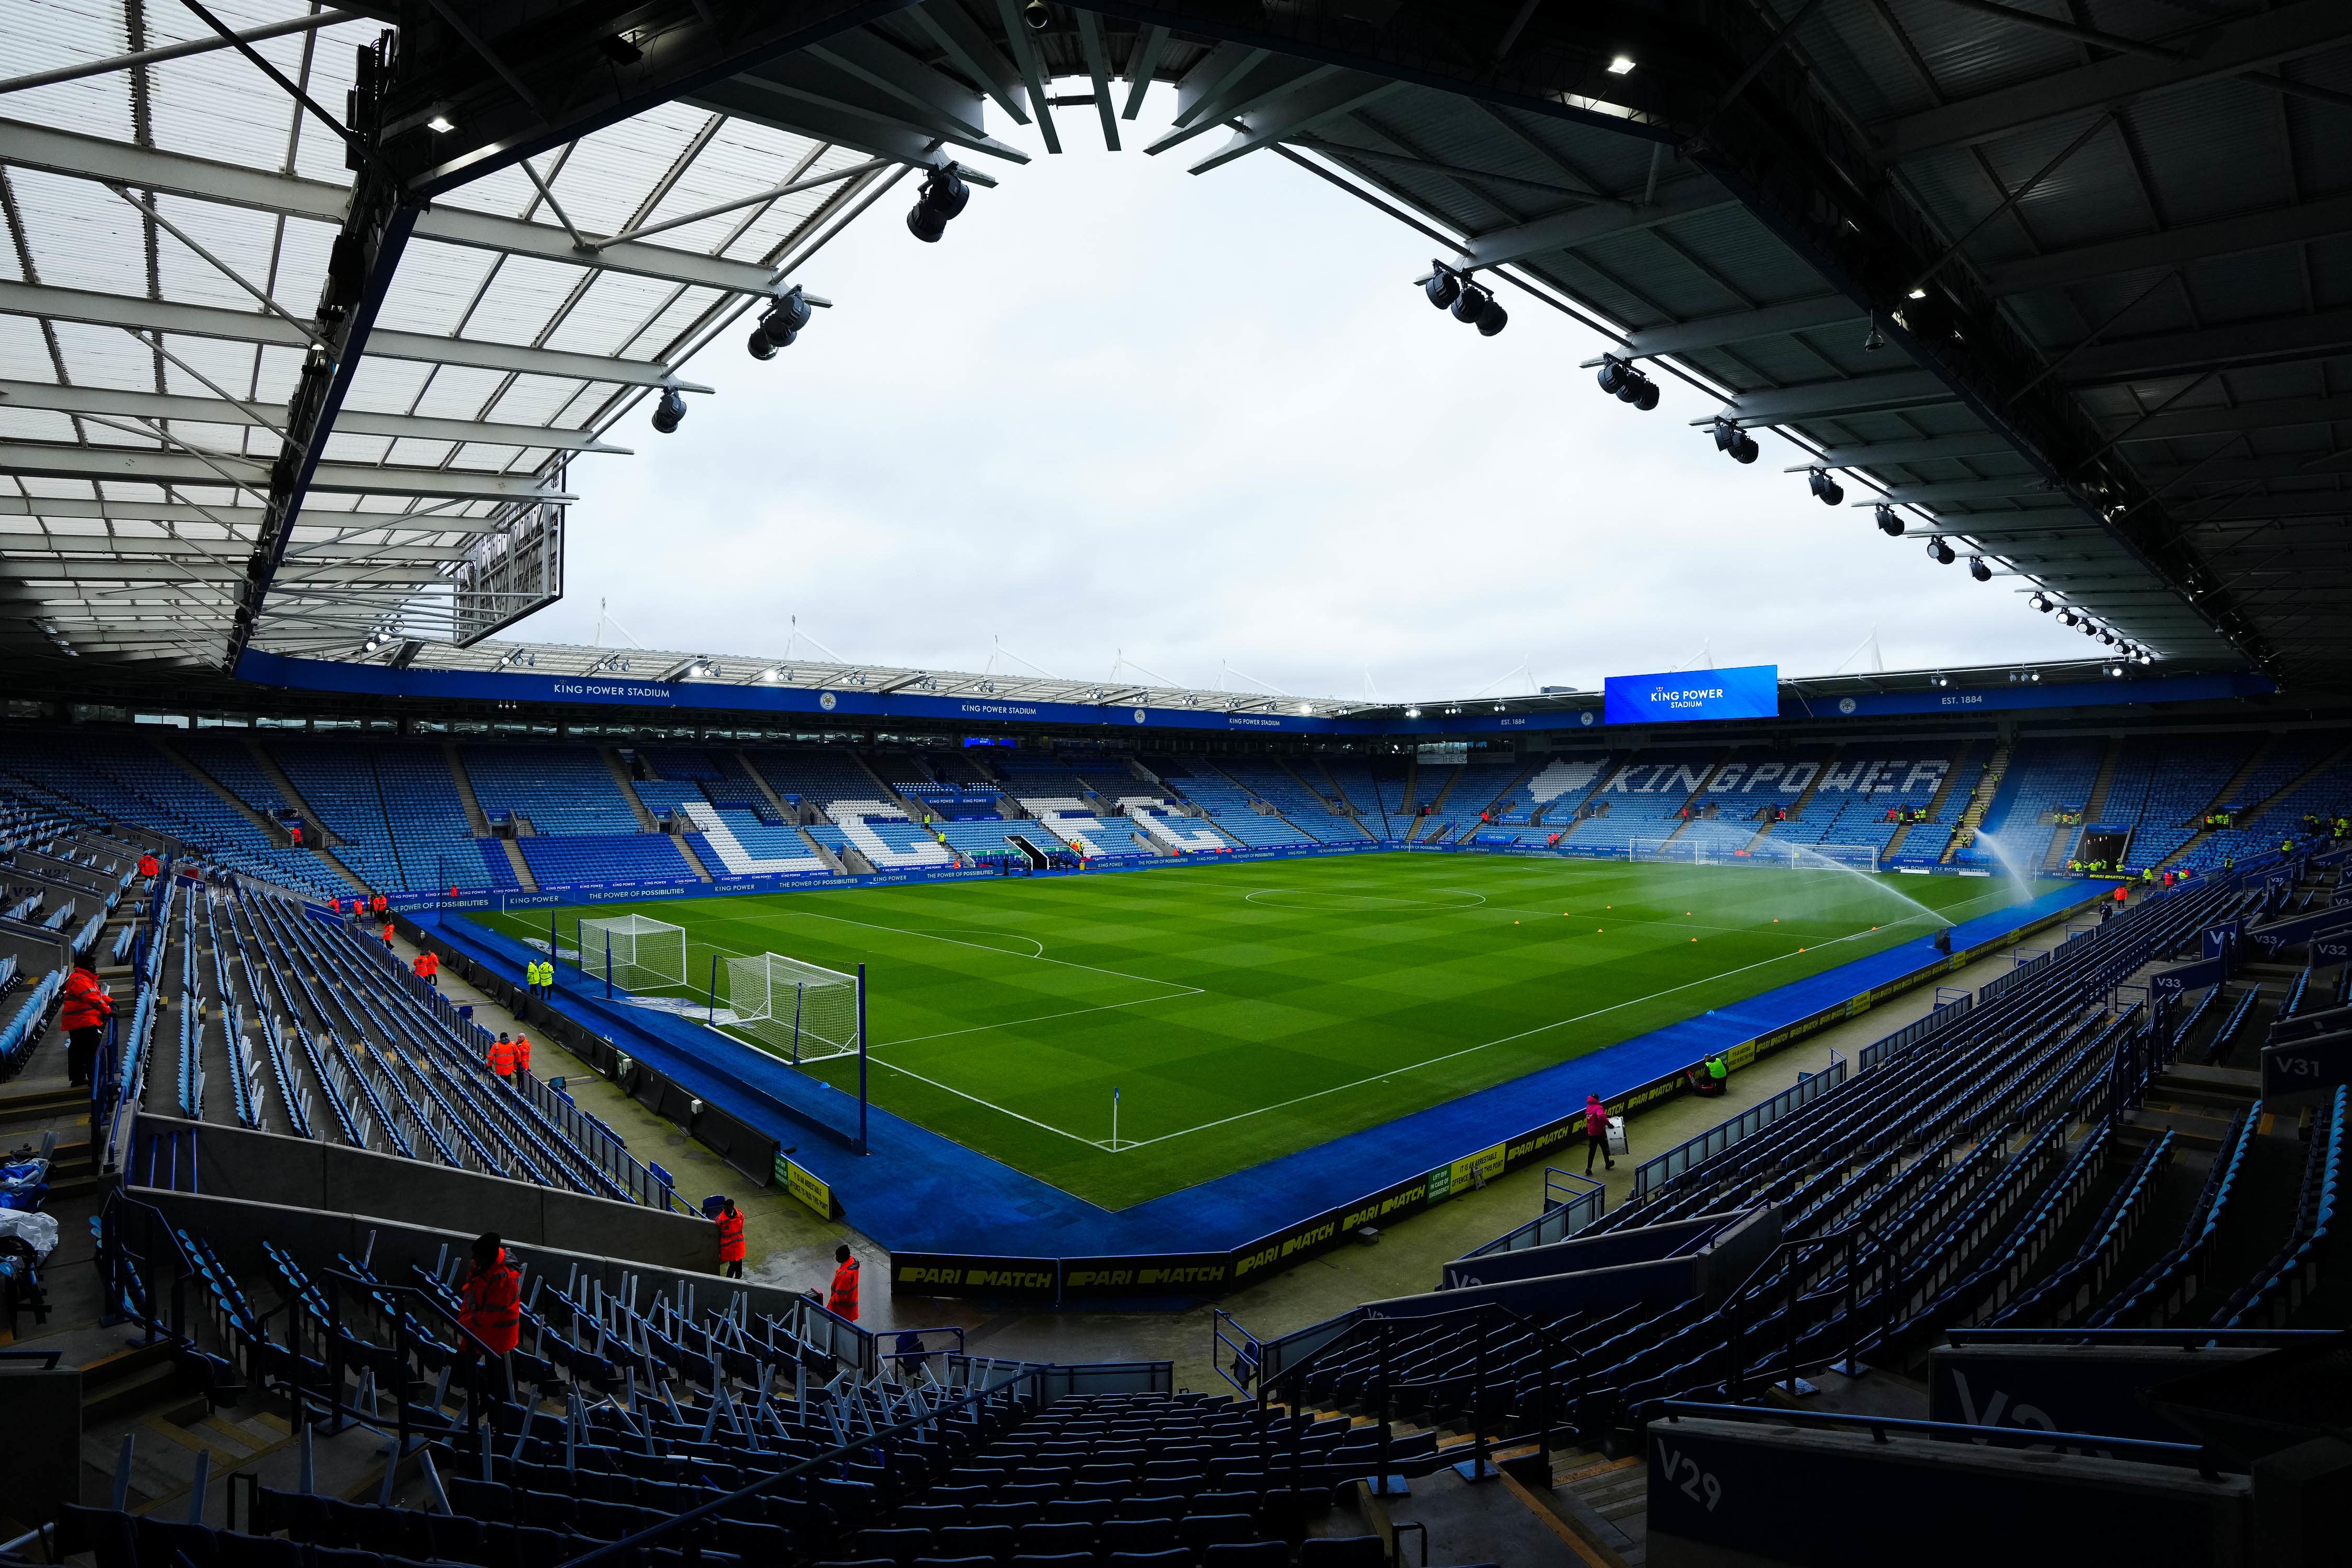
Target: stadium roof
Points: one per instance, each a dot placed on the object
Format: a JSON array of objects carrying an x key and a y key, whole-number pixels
[{"x": 2066, "y": 283}]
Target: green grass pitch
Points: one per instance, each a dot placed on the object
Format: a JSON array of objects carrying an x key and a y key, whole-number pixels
[{"x": 1250, "y": 1009}]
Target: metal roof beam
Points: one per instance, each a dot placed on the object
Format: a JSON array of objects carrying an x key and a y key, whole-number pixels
[
  {"x": 2279, "y": 414},
  {"x": 974, "y": 53},
  {"x": 133, "y": 568},
  {"x": 2237, "y": 235},
  {"x": 93, "y": 547},
  {"x": 1746, "y": 326},
  {"x": 134, "y": 465},
  {"x": 1296, "y": 113},
  {"x": 272, "y": 416},
  {"x": 1887, "y": 454},
  {"x": 1816, "y": 400},
  {"x": 121, "y": 509},
  {"x": 251, "y": 327},
  {"x": 851, "y": 96},
  {"x": 2265, "y": 340},
  {"x": 1964, "y": 490},
  {"x": 145, "y": 168},
  {"x": 1566, "y": 231},
  {"x": 2254, "y": 44}
]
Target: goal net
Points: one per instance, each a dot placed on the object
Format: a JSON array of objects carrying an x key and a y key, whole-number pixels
[
  {"x": 646, "y": 953},
  {"x": 802, "y": 1012},
  {"x": 1743, "y": 850}
]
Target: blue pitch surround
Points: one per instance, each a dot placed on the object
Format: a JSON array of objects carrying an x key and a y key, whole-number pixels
[{"x": 921, "y": 1193}]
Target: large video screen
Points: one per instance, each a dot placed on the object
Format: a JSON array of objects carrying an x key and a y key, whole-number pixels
[{"x": 1750, "y": 692}]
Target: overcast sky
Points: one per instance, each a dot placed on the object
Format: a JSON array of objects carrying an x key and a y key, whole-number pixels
[{"x": 1206, "y": 421}]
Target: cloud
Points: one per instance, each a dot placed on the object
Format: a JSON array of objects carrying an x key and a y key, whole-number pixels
[{"x": 1208, "y": 423}]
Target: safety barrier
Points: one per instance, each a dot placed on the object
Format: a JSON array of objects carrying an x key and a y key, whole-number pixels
[
  {"x": 1881, "y": 1051},
  {"x": 1654, "y": 1174},
  {"x": 1570, "y": 1202}
]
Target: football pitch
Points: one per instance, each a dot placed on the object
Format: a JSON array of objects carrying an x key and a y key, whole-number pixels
[{"x": 1244, "y": 1011}]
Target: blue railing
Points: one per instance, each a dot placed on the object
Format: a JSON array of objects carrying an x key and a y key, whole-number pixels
[
  {"x": 1570, "y": 1202},
  {"x": 1879, "y": 1052},
  {"x": 1654, "y": 1174}
]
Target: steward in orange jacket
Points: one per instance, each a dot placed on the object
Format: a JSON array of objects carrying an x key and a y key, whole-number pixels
[
  {"x": 521, "y": 1052},
  {"x": 729, "y": 1220},
  {"x": 428, "y": 968},
  {"x": 493, "y": 1308},
  {"x": 842, "y": 1302},
  {"x": 88, "y": 1006},
  {"x": 502, "y": 1056}
]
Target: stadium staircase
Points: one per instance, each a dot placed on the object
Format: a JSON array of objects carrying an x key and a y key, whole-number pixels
[
  {"x": 1706, "y": 775},
  {"x": 628, "y": 788},
  {"x": 1344, "y": 822},
  {"x": 1804, "y": 798},
  {"x": 1611, "y": 764},
  {"x": 1259, "y": 803},
  {"x": 888, "y": 792},
  {"x": 2224, "y": 795},
  {"x": 475, "y": 817},
  {"x": 1348, "y": 805},
  {"x": 767, "y": 790},
  {"x": 2284, "y": 791},
  {"x": 274, "y": 830},
  {"x": 1980, "y": 799},
  {"x": 315, "y": 831},
  {"x": 822, "y": 851},
  {"x": 1436, "y": 804},
  {"x": 1935, "y": 805},
  {"x": 2062, "y": 841}
]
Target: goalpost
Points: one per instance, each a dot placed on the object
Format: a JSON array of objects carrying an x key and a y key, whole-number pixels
[
  {"x": 1737, "y": 850},
  {"x": 646, "y": 953},
  {"x": 802, "y": 1012}
]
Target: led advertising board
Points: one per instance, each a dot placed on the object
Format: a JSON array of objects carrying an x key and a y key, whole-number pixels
[{"x": 1750, "y": 692}]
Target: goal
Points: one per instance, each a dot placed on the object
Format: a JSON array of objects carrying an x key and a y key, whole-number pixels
[
  {"x": 646, "y": 953},
  {"x": 1741, "y": 849},
  {"x": 802, "y": 1012}
]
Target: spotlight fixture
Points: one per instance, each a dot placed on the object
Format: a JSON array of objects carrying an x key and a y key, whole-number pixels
[
  {"x": 1478, "y": 307},
  {"x": 1941, "y": 554},
  {"x": 1731, "y": 438},
  {"x": 1889, "y": 523},
  {"x": 1621, "y": 65},
  {"x": 1979, "y": 570},
  {"x": 1626, "y": 385},
  {"x": 1413, "y": 712},
  {"x": 1828, "y": 489},
  {"x": 1443, "y": 285},
  {"x": 1917, "y": 294},
  {"x": 2090, "y": 630},
  {"x": 780, "y": 324},
  {"x": 2042, "y": 602},
  {"x": 2066, "y": 618},
  {"x": 1939, "y": 679},
  {"x": 2116, "y": 669},
  {"x": 439, "y": 125},
  {"x": 2108, "y": 637},
  {"x": 669, "y": 410},
  {"x": 944, "y": 195},
  {"x": 1036, "y": 16},
  {"x": 1875, "y": 341}
]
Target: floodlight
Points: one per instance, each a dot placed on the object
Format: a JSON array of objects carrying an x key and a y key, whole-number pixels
[
  {"x": 782, "y": 322},
  {"x": 1889, "y": 523},
  {"x": 1413, "y": 712},
  {"x": 1443, "y": 285},
  {"x": 1979, "y": 570},
  {"x": 944, "y": 195},
  {"x": 1621, "y": 65},
  {"x": 1036, "y": 16},
  {"x": 1918, "y": 294},
  {"x": 1875, "y": 341},
  {"x": 2090, "y": 630},
  {"x": 1941, "y": 554},
  {"x": 1625, "y": 383},
  {"x": 2042, "y": 602},
  {"x": 1476, "y": 305},
  {"x": 1830, "y": 491},
  {"x": 669, "y": 410},
  {"x": 2107, "y": 636},
  {"x": 2067, "y": 616},
  {"x": 1731, "y": 438},
  {"x": 440, "y": 125}
]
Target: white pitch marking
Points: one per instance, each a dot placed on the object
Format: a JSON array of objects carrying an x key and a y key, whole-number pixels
[{"x": 1503, "y": 1040}]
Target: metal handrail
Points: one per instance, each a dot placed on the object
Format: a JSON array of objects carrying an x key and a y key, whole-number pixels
[{"x": 2198, "y": 1455}]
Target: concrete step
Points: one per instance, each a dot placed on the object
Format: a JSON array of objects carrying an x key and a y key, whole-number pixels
[{"x": 2194, "y": 1126}]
